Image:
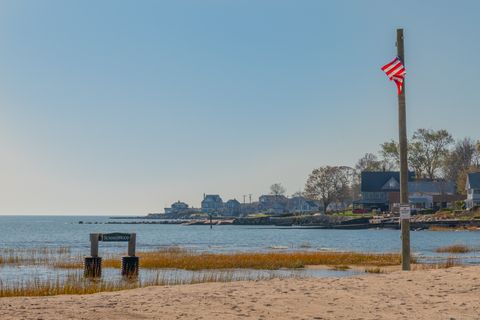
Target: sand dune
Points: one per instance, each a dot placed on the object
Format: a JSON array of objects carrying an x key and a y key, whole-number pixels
[{"x": 429, "y": 294}]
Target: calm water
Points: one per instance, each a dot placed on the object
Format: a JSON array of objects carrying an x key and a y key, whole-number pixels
[{"x": 53, "y": 231}]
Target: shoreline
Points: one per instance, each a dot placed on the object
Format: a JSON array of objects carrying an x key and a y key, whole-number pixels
[{"x": 423, "y": 294}]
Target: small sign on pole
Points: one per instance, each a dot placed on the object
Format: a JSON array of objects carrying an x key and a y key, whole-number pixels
[{"x": 405, "y": 211}]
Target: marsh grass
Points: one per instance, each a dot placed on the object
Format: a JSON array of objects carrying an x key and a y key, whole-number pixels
[
  {"x": 450, "y": 262},
  {"x": 75, "y": 283},
  {"x": 457, "y": 248},
  {"x": 33, "y": 256},
  {"x": 174, "y": 258}
]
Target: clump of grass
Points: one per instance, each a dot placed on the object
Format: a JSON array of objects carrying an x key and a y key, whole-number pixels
[
  {"x": 457, "y": 248},
  {"x": 449, "y": 263},
  {"x": 373, "y": 270}
]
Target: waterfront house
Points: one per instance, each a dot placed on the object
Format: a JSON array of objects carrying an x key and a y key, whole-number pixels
[
  {"x": 233, "y": 208},
  {"x": 473, "y": 190},
  {"x": 180, "y": 208},
  {"x": 429, "y": 194},
  {"x": 303, "y": 205},
  {"x": 212, "y": 203},
  {"x": 376, "y": 187},
  {"x": 273, "y": 204},
  {"x": 249, "y": 208}
]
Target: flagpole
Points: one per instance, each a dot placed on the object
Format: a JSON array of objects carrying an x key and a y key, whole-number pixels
[{"x": 402, "y": 131}]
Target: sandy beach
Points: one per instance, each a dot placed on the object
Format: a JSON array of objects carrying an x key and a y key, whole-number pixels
[{"x": 425, "y": 294}]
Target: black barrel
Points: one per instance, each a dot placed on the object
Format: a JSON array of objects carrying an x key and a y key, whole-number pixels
[
  {"x": 130, "y": 266},
  {"x": 93, "y": 267}
]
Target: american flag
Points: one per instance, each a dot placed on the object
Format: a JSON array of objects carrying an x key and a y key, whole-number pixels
[{"x": 396, "y": 72}]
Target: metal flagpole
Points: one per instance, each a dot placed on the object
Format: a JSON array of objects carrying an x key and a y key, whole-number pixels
[{"x": 402, "y": 131}]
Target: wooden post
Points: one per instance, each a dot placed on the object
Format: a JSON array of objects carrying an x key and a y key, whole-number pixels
[
  {"x": 402, "y": 130},
  {"x": 93, "y": 264},
  {"x": 130, "y": 263},
  {"x": 131, "y": 244},
  {"x": 94, "y": 237}
]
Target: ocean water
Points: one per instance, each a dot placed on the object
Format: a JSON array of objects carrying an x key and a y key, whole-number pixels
[{"x": 25, "y": 232}]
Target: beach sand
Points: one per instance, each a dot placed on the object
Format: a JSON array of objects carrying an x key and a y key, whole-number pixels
[{"x": 425, "y": 294}]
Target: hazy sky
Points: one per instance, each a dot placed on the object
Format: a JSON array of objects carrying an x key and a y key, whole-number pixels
[{"x": 122, "y": 107}]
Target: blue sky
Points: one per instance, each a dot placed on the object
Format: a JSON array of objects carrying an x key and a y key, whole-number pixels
[{"x": 122, "y": 107}]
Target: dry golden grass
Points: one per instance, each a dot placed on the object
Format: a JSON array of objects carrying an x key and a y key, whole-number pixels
[
  {"x": 181, "y": 259},
  {"x": 457, "y": 248},
  {"x": 75, "y": 283}
]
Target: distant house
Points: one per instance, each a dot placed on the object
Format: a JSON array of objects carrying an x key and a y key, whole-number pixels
[
  {"x": 274, "y": 204},
  {"x": 249, "y": 208},
  {"x": 212, "y": 203},
  {"x": 179, "y": 208},
  {"x": 302, "y": 205},
  {"x": 381, "y": 190},
  {"x": 233, "y": 208},
  {"x": 376, "y": 187},
  {"x": 429, "y": 194},
  {"x": 473, "y": 190}
]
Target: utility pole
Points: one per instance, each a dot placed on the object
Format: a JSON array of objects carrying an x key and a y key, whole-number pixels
[
  {"x": 402, "y": 131},
  {"x": 250, "y": 198}
]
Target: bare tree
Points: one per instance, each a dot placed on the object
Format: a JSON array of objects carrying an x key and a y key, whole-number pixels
[
  {"x": 328, "y": 184},
  {"x": 461, "y": 158},
  {"x": 476, "y": 156},
  {"x": 462, "y": 178},
  {"x": 277, "y": 189}
]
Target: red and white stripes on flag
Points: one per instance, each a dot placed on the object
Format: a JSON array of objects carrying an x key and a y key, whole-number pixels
[{"x": 396, "y": 72}]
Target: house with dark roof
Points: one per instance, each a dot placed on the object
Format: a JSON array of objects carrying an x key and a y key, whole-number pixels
[
  {"x": 233, "y": 207},
  {"x": 177, "y": 208},
  {"x": 429, "y": 194},
  {"x": 375, "y": 188},
  {"x": 473, "y": 190},
  {"x": 212, "y": 203},
  {"x": 381, "y": 190},
  {"x": 273, "y": 204}
]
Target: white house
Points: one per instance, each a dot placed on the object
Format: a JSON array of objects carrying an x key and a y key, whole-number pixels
[{"x": 473, "y": 190}]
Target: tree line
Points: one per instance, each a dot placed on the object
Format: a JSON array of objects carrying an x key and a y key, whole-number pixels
[{"x": 432, "y": 154}]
